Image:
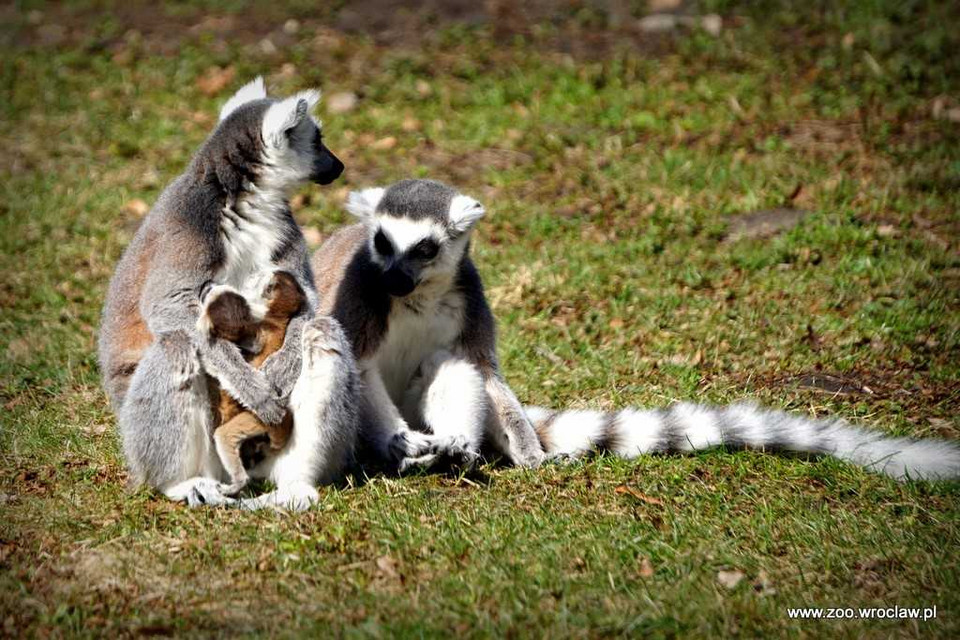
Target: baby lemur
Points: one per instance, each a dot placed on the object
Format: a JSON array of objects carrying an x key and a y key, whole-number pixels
[
  {"x": 412, "y": 305},
  {"x": 228, "y": 315}
]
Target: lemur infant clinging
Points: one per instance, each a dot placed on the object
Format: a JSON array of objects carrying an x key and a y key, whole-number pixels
[
  {"x": 259, "y": 328},
  {"x": 226, "y": 221},
  {"x": 403, "y": 287},
  {"x": 410, "y": 300}
]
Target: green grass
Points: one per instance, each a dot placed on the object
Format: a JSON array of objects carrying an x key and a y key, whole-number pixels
[{"x": 611, "y": 165}]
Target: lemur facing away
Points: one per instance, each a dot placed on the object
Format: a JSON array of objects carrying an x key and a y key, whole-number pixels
[
  {"x": 403, "y": 287},
  {"x": 411, "y": 302},
  {"x": 226, "y": 221},
  {"x": 259, "y": 328}
]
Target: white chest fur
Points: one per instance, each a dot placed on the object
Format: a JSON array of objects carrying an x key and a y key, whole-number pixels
[
  {"x": 250, "y": 234},
  {"x": 412, "y": 336}
]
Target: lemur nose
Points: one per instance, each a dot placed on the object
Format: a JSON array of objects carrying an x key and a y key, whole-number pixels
[{"x": 398, "y": 282}]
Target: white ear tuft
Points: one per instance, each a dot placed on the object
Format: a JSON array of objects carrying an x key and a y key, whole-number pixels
[
  {"x": 249, "y": 92},
  {"x": 363, "y": 203},
  {"x": 287, "y": 114},
  {"x": 464, "y": 212}
]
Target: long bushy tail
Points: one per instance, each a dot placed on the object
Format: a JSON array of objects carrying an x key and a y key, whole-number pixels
[{"x": 687, "y": 427}]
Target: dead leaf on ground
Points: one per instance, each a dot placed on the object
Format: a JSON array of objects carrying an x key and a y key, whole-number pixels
[
  {"x": 19, "y": 349},
  {"x": 646, "y": 568},
  {"x": 384, "y": 144},
  {"x": 95, "y": 429},
  {"x": 763, "y": 585},
  {"x": 766, "y": 223},
  {"x": 730, "y": 579},
  {"x": 835, "y": 385},
  {"x": 215, "y": 79},
  {"x": 387, "y": 568},
  {"x": 624, "y": 489}
]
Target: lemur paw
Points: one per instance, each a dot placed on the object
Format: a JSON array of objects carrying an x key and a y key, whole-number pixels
[
  {"x": 459, "y": 451},
  {"x": 410, "y": 444},
  {"x": 562, "y": 458},
  {"x": 419, "y": 464},
  {"x": 324, "y": 335},
  {"x": 233, "y": 488},
  {"x": 181, "y": 355},
  {"x": 271, "y": 409},
  {"x": 532, "y": 459},
  {"x": 298, "y": 496},
  {"x": 206, "y": 493}
]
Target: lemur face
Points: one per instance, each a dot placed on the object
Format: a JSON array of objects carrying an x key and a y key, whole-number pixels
[
  {"x": 418, "y": 231},
  {"x": 289, "y": 141}
]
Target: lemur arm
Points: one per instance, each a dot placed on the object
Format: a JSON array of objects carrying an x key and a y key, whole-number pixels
[
  {"x": 171, "y": 302},
  {"x": 384, "y": 428},
  {"x": 509, "y": 427},
  {"x": 282, "y": 368},
  {"x": 513, "y": 428},
  {"x": 383, "y": 417}
]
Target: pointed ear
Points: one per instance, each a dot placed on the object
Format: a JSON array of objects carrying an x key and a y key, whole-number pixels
[
  {"x": 249, "y": 92},
  {"x": 464, "y": 212},
  {"x": 283, "y": 116},
  {"x": 363, "y": 203}
]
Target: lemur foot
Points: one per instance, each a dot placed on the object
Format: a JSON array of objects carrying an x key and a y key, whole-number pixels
[
  {"x": 456, "y": 451},
  {"x": 182, "y": 355},
  {"x": 410, "y": 444},
  {"x": 459, "y": 451},
  {"x": 233, "y": 488},
  {"x": 419, "y": 464},
  {"x": 563, "y": 458},
  {"x": 323, "y": 336},
  {"x": 532, "y": 459},
  {"x": 298, "y": 496},
  {"x": 199, "y": 492}
]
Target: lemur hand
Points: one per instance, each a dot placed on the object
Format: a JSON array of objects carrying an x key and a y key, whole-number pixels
[{"x": 271, "y": 406}]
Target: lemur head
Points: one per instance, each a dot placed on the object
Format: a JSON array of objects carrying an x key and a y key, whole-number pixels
[
  {"x": 283, "y": 296},
  {"x": 227, "y": 315},
  {"x": 271, "y": 144},
  {"x": 418, "y": 230}
]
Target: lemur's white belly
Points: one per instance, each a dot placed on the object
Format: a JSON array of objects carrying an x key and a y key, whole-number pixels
[{"x": 412, "y": 337}]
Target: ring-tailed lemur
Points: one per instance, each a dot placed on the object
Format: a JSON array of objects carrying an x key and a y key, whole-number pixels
[
  {"x": 226, "y": 220},
  {"x": 412, "y": 304},
  {"x": 404, "y": 289}
]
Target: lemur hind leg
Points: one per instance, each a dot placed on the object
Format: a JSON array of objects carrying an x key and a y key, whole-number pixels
[
  {"x": 165, "y": 424},
  {"x": 228, "y": 439},
  {"x": 447, "y": 399},
  {"x": 325, "y": 417}
]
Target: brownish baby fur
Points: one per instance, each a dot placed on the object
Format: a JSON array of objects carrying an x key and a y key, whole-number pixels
[{"x": 230, "y": 319}]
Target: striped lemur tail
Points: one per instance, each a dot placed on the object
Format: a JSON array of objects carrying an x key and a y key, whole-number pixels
[{"x": 687, "y": 427}]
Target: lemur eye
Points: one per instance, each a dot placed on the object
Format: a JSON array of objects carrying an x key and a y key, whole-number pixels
[
  {"x": 382, "y": 245},
  {"x": 425, "y": 250}
]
